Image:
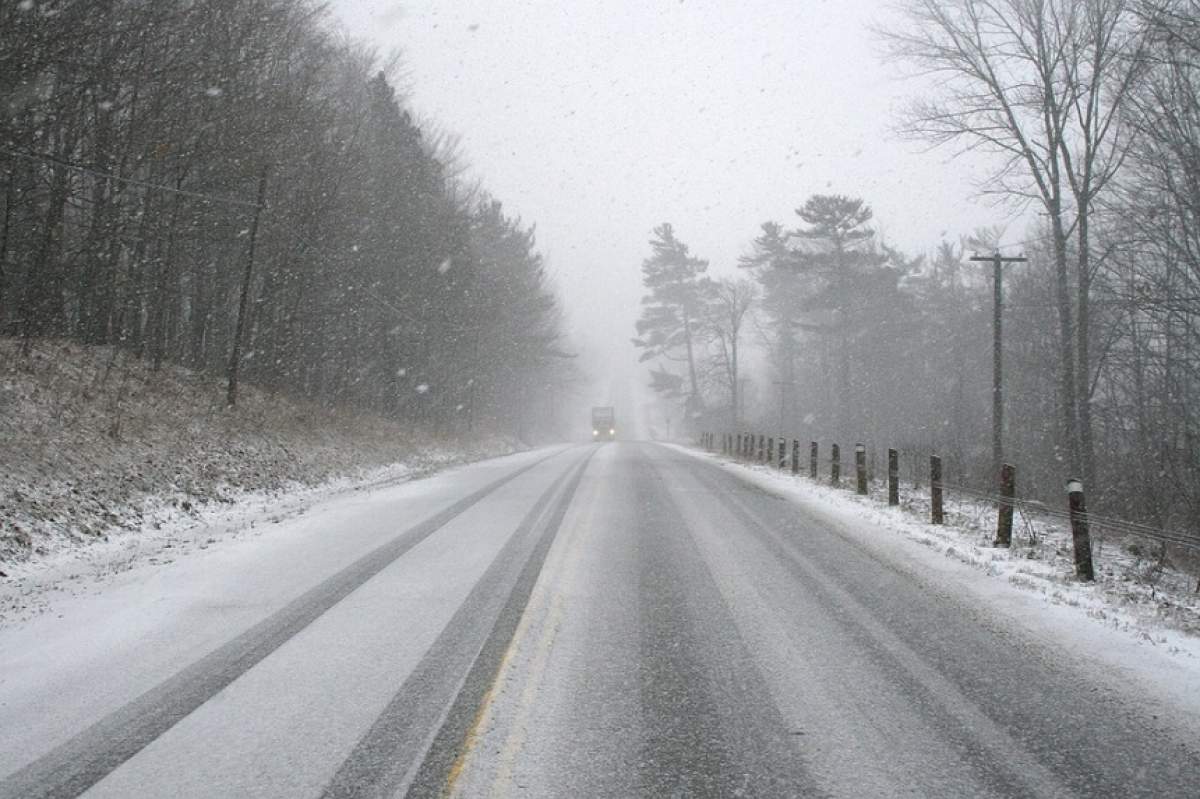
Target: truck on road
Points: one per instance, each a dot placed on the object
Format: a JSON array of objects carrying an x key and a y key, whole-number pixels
[{"x": 604, "y": 423}]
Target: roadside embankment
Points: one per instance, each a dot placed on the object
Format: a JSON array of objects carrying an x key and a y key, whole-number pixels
[{"x": 95, "y": 444}]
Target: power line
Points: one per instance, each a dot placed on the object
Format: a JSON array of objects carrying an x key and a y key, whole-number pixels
[{"x": 40, "y": 157}]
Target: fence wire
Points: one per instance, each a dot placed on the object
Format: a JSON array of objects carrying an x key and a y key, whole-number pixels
[{"x": 913, "y": 471}]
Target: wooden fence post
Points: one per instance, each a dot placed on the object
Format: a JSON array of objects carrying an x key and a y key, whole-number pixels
[
  {"x": 1080, "y": 534},
  {"x": 812, "y": 460},
  {"x": 770, "y": 450},
  {"x": 935, "y": 490},
  {"x": 795, "y": 456},
  {"x": 1004, "y": 520},
  {"x": 762, "y": 448},
  {"x": 835, "y": 465},
  {"x": 860, "y": 467},
  {"x": 893, "y": 477}
]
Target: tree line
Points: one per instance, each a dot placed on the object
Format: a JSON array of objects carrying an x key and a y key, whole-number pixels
[
  {"x": 1093, "y": 109},
  {"x": 232, "y": 186}
]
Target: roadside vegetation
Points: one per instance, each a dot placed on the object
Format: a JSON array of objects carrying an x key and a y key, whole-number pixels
[
  {"x": 227, "y": 204},
  {"x": 1091, "y": 109}
]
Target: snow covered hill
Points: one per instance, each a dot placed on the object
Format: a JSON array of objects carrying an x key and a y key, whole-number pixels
[{"x": 94, "y": 443}]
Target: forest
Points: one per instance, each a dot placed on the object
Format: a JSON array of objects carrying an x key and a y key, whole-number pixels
[
  {"x": 1092, "y": 110},
  {"x": 235, "y": 187}
]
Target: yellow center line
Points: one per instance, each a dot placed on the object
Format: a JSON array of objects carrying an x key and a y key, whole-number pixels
[{"x": 506, "y": 670}]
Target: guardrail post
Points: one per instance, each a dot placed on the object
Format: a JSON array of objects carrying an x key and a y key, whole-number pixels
[
  {"x": 935, "y": 490},
  {"x": 1004, "y": 520},
  {"x": 770, "y": 449},
  {"x": 860, "y": 467},
  {"x": 795, "y": 456},
  {"x": 893, "y": 477},
  {"x": 1080, "y": 535},
  {"x": 782, "y": 453},
  {"x": 835, "y": 464},
  {"x": 762, "y": 448},
  {"x": 812, "y": 460}
]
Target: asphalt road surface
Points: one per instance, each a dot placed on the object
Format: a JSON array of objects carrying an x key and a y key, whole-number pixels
[{"x": 614, "y": 620}]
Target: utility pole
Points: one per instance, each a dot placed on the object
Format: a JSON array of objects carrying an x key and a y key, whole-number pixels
[
  {"x": 783, "y": 386},
  {"x": 235, "y": 357},
  {"x": 997, "y": 372},
  {"x": 741, "y": 401}
]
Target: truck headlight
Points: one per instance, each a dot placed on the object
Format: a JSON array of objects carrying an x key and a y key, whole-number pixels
[{"x": 595, "y": 432}]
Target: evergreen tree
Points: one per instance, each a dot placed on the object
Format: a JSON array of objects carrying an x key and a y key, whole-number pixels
[{"x": 671, "y": 327}]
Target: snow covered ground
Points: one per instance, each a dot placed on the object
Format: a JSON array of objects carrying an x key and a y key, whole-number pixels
[
  {"x": 78, "y": 567},
  {"x": 105, "y": 463},
  {"x": 674, "y": 597},
  {"x": 109, "y": 637},
  {"x": 1156, "y": 610}
]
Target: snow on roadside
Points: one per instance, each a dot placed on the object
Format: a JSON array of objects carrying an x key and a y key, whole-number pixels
[
  {"x": 171, "y": 533},
  {"x": 1161, "y": 612},
  {"x": 105, "y": 461}
]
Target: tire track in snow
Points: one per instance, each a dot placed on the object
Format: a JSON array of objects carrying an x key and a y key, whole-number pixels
[
  {"x": 79, "y": 763},
  {"x": 413, "y": 746}
]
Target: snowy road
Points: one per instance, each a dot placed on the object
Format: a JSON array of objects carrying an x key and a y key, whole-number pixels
[{"x": 613, "y": 620}]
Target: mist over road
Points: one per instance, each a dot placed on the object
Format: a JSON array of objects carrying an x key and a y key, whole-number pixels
[{"x": 597, "y": 620}]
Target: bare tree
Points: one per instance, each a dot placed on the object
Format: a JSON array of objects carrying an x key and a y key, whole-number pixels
[
  {"x": 732, "y": 301},
  {"x": 132, "y": 136},
  {"x": 1045, "y": 84}
]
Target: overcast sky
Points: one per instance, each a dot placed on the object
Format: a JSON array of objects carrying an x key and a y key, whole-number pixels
[{"x": 599, "y": 119}]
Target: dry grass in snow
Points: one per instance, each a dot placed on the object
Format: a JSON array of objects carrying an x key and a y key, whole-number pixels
[{"x": 94, "y": 444}]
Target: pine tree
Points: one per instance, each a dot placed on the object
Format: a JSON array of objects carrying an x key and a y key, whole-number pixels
[{"x": 671, "y": 326}]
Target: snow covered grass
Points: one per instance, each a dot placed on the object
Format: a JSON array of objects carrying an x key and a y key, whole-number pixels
[
  {"x": 103, "y": 459},
  {"x": 1134, "y": 592}
]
